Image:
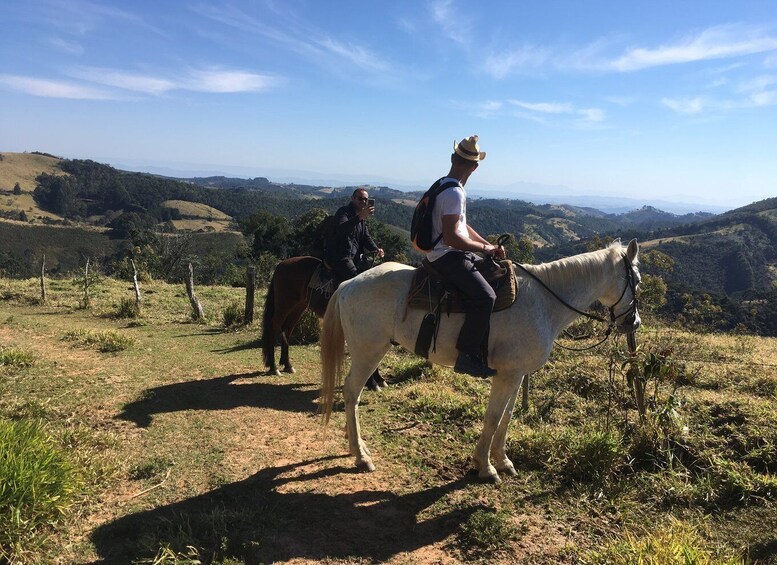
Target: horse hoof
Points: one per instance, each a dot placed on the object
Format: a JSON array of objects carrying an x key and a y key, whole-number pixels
[
  {"x": 365, "y": 466},
  {"x": 289, "y": 369},
  {"x": 508, "y": 471},
  {"x": 275, "y": 372},
  {"x": 489, "y": 478},
  {"x": 372, "y": 385}
]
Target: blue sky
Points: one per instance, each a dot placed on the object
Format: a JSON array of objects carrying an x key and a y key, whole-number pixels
[{"x": 670, "y": 100}]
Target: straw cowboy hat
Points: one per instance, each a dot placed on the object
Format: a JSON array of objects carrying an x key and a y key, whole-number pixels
[{"x": 469, "y": 149}]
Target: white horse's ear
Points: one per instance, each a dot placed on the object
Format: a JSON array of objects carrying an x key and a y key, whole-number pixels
[
  {"x": 615, "y": 243},
  {"x": 633, "y": 250}
]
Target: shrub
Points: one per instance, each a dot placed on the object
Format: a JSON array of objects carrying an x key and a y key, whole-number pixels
[
  {"x": 128, "y": 308},
  {"x": 37, "y": 483},
  {"x": 234, "y": 314},
  {"x": 677, "y": 543},
  {"x": 15, "y": 358},
  {"x": 105, "y": 341},
  {"x": 487, "y": 531},
  {"x": 592, "y": 455},
  {"x": 306, "y": 331}
]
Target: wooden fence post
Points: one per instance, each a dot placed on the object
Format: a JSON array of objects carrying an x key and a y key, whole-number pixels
[
  {"x": 43, "y": 280},
  {"x": 197, "y": 313},
  {"x": 248, "y": 317},
  {"x": 135, "y": 282},
  {"x": 86, "y": 284}
]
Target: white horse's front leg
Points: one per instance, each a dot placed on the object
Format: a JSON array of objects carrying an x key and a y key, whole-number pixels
[
  {"x": 501, "y": 392},
  {"x": 351, "y": 393},
  {"x": 498, "y": 445}
]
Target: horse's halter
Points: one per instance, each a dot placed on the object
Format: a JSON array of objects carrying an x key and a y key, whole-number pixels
[{"x": 629, "y": 315}]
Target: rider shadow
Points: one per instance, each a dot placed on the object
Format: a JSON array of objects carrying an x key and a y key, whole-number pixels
[
  {"x": 220, "y": 393},
  {"x": 252, "y": 521}
]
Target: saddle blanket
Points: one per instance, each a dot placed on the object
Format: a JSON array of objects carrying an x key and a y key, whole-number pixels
[{"x": 322, "y": 281}]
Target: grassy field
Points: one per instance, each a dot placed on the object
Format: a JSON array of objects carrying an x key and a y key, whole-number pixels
[{"x": 186, "y": 452}]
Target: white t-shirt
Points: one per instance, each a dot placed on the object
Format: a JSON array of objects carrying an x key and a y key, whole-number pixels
[{"x": 449, "y": 202}]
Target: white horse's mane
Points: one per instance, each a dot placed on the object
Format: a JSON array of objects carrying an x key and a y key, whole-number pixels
[{"x": 571, "y": 271}]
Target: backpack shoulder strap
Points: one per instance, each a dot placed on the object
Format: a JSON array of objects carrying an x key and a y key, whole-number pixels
[{"x": 435, "y": 192}]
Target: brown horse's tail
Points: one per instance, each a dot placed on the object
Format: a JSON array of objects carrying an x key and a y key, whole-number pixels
[
  {"x": 332, "y": 356},
  {"x": 268, "y": 331}
]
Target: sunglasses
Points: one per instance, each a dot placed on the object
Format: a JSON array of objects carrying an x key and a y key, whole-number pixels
[{"x": 362, "y": 198}]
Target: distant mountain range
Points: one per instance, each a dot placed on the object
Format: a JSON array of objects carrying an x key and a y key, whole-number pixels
[{"x": 530, "y": 192}]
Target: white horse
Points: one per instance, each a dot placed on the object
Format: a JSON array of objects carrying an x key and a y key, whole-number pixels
[{"x": 368, "y": 312}]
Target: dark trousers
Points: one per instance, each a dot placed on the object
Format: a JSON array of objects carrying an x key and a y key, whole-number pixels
[
  {"x": 458, "y": 269},
  {"x": 343, "y": 270}
]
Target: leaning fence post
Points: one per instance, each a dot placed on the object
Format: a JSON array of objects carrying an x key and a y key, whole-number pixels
[
  {"x": 197, "y": 313},
  {"x": 86, "y": 284},
  {"x": 43, "y": 280},
  {"x": 248, "y": 316},
  {"x": 135, "y": 282}
]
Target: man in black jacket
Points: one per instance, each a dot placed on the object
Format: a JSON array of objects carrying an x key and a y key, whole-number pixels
[{"x": 351, "y": 239}]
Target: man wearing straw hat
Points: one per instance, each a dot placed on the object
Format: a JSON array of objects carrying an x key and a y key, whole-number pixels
[{"x": 453, "y": 256}]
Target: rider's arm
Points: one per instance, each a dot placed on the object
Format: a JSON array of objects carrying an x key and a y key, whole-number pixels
[
  {"x": 452, "y": 238},
  {"x": 475, "y": 236},
  {"x": 345, "y": 225}
]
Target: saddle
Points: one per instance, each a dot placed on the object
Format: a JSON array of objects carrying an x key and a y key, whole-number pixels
[{"x": 429, "y": 292}]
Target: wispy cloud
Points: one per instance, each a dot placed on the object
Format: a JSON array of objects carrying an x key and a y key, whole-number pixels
[
  {"x": 120, "y": 83},
  {"x": 226, "y": 81},
  {"x": 213, "y": 80},
  {"x": 500, "y": 65},
  {"x": 543, "y": 107},
  {"x": 356, "y": 54},
  {"x": 125, "y": 80},
  {"x": 69, "y": 47},
  {"x": 53, "y": 88},
  {"x": 296, "y": 36},
  {"x": 761, "y": 91},
  {"x": 694, "y": 105},
  {"x": 548, "y": 113},
  {"x": 451, "y": 23},
  {"x": 717, "y": 42}
]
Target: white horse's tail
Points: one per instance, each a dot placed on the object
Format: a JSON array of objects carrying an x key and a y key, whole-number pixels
[{"x": 332, "y": 356}]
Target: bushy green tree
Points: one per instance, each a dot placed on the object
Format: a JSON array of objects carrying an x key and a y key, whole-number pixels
[{"x": 17, "y": 189}]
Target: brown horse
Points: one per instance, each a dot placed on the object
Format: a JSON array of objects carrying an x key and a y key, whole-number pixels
[{"x": 287, "y": 299}]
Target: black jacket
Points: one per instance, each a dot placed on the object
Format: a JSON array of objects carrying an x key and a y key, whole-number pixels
[{"x": 350, "y": 237}]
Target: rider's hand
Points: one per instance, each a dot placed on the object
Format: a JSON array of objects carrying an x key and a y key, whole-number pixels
[
  {"x": 365, "y": 212},
  {"x": 380, "y": 253},
  {"x": 500, "y": 253}
]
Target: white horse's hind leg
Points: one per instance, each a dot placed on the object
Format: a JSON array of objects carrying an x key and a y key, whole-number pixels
[
  {"x": 362, "y": 366},
  {"x": 498, "y": 445},
  {"x": 502, "y": 390}
]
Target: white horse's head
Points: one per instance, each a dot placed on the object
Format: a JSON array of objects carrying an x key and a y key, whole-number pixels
[{"x": 622, "y": 294}]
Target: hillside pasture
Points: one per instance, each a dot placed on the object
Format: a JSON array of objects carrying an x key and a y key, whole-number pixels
[
  {"x": 23, "y": 168},
  {"x": 11, "y": 203},
  {"x": 190, "y": 451}
]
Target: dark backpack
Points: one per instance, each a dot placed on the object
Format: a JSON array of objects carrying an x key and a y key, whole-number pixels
[
  {"x": 323, "y": 237},
  {"x": 422, "y": 226}
]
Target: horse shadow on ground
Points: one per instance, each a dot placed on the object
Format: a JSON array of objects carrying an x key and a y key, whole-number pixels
[
  {"x": 220, "y": 393},
  {"x": 253, "y": 344},
  {"x": 251, "y": 520}
]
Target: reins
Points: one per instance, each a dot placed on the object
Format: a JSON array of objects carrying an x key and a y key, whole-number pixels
[{"x": 613, "y": 318}]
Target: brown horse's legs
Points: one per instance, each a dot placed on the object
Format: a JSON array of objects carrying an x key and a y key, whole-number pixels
[{"x": 287, "y": 330}]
